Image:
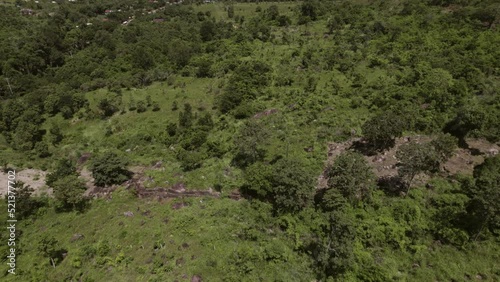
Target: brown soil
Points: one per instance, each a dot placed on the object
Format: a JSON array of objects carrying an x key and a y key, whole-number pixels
[
  {"x": 384, "y": 164},
  {"x": 33, "y": 177}
]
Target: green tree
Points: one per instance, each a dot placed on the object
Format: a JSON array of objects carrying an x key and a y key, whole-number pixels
[
  {"x": 190, "y": 160},
  {"x": 251, "y": 142},
  {"x": 132, "y": 105},
  {"x": 380, "y": 131},
  {"x": 56, "y": 135},
  {"x": 26, "y": 136},
  {"x": 444, "y": 145},
  {"x": 258, "y": 29},
  {"x": 142, "y": 58},
  {"x": 207, "y": 30},
  {"x": 149, "y": 101},
  {"x": 288, "y": 184},
  {"x": 109, "y": 106},
  {"x": 186, "y": 116},
  {"x": 272, "y": 13},
  {"x": 41, "y": 149},
  {"x": 333, "y": 23},
  {"x": 415, "y": 158},
  {"x": 436, "y": 87},
  {"x": 332, "y": 248},
  {"x": 109, "y": 169},
  {"x": 230, "y": 11},
  {"x": 47, "y": 246},
  {"x": 68, "y": 192},
  {"x": 245, "y": 84},
  {"x": 352, "y": 176},
  {"x": 141, "y": 106},
  {"x": 258, "y": 177},
  {"x": 171, "y": 128},
  {"x": 283, "y": 20},
  {"x": 485, "y": 195},
  {"x": 174, "y": 106},
  {"x": 205, "y": 121},
  {"x": 193, "y": 138},
  {"x": 466, "y": 121},
  {"x": 26, "y": 205},
  {"x": 293, "y": 185},
  {"x": 308, "y": 9},
  {"x": 64, "y": 167},
  {"x": 156, "y": 106},
  {"x": 180, "y": 52}
]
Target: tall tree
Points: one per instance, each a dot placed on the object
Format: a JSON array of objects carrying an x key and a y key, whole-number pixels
[
  {"x": 351, "y": 175},
  {"x": 251, "y": 142},
  {"x": 466, "y": 121},
  {"x": 381, "y": 130},
  {"x": 68, "y": 192},
  {"x": 293, "y": 185},
  {"x": 485, "y": 195},
  {"x": 415, "y": 158}
]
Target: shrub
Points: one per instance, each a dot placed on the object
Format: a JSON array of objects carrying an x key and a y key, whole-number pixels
[
  {"x": 109, "y": 169},
  {"x": 64, "y": 168},
  {"x": 351, "y": 175},
  {"x": 381, "y": 130},
  {"x": 68, "y": 192},
  {"x": 141, "y": 107}
]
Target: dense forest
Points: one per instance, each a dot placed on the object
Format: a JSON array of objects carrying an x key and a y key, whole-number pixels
[{"x": 198, "y": 140}]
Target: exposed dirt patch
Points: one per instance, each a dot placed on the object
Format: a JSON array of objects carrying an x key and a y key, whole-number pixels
[
  {"x": 32, "y": 177},
  {"x": 86, "y": 175},
  {"x": 385, "y": 164}
]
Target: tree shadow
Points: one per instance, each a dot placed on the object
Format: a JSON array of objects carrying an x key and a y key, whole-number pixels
[
  {"x": 80, "y": 207},
  {"x": 462, "y": 143},
  {"x": 59, "y": 256},
  {"x": 392, "y": 185},
  {"x": 242, "y": 160},
  {"x": 6, "y": 168},
  {"x": 369, "y": 148}
]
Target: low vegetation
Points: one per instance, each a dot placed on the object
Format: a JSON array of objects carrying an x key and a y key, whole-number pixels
[{"x": 321, "y": 133}]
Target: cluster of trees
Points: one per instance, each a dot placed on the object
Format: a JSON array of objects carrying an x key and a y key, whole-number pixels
[
  {"x": 420, "y": 66},
  {"x": 191, "y": 134}
]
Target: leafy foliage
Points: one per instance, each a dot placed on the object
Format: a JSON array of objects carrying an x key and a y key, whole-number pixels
[
  {"x": 381, "y": 130},
  {"x": 64, "y": 168},
  {"x": 466, "y": 121},
  {"x": 352, "y": 177},
  {"x": 26, "y": 204},
  {"x": 245, "y": 84},
  {"x": 68, "y": 192},
  {"x": 267, "y": 87},
  {"x": 109, "y": 169},
  {"x": 415, "y": 158},
  {"x": 485, "y": 194},
  {"x": 286, "y": 183},
  {"x": 250, "y": 143}
]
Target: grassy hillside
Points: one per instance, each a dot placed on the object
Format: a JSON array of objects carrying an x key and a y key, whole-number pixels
[
  {"x": 361, "y": 136},
  {"x": 217, "y": 239}
]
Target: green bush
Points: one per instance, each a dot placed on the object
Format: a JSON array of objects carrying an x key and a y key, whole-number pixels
[
  {"x": 351, "y": 175},
  {"x": 108, "y": 169}
]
